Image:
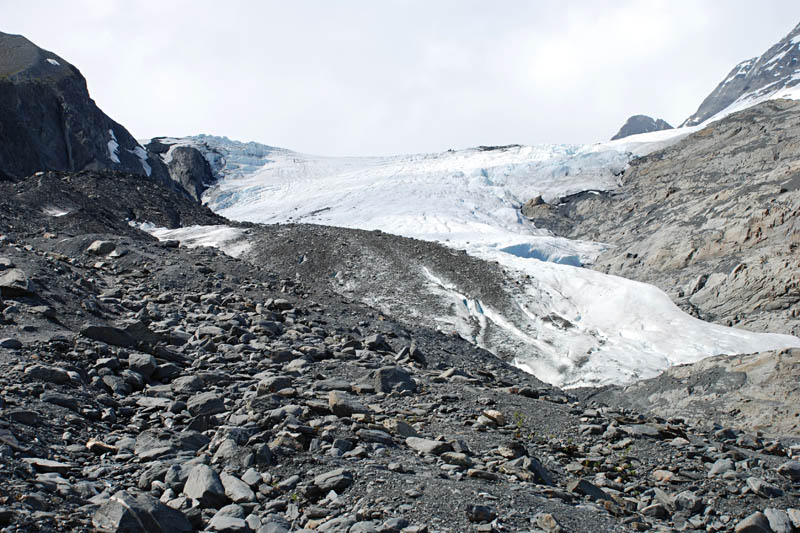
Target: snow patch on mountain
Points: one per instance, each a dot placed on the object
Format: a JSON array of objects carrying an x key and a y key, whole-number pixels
[{"x": 113, "y": 147}]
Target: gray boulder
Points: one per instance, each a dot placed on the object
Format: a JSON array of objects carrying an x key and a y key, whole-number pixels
[
  {"x": 345, "y": 405},
  {"x": 428, "y": 446},
  {"x": 205, "y": 486},
  {"x": 101, "y": 248},
  {"x": 14, "y": 282},
  {"x": 206, "y": 404},
  {"x": 337, "y": 480},
  {"x": 392, "y": 378},
  {"x": 124, "y": 512}
]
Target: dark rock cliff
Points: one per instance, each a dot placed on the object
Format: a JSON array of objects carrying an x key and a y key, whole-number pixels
[
  {"x": 640, "y": 124},
  {"x": 48, "y": 121}
]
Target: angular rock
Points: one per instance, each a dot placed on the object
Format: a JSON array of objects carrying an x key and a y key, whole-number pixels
[
  {"x": 720, "y": 467},
  {"x": 337, "y": 480},
  {"x": 108, "y": 334},
  {"x": 343, "y": 405},
  {"x": 377, "y": 343},
  {"x": 779, "y": 520},
  {"x": 458, "y": 459},
  {"x": 581, "y": 486},
  {"x": 140, "y": 514},
  {"x": 274, "y": 384},
  {"x": 755, "y": 523},
  {"x": 374, "y": 435},
  {"x": 24, "y": 416},
  {"x": 10, "y": 343},
  {"x": 548, "y": 523},
  {"x": 206, "y": 404},
  {"x": 99, "y": 447},
  {"x": 143, "y": 363},
  {"x": 101, "y": 248},
  {"x": 228, "y": 524},
  {"x": 528, "y": 469},
  {"x": 392, "y": 378},
  {"x": 480, "y": 513},
  {"x": 14, "y": 283},
  {"x": 762, "y": 488},
  {"x": 48, "y": 465},
  {"x": 428, "y": 446},
  {"x": 790, "y": 470},
  {"x": 50, "y": 374},
  {"x": 400, "y": 428},
  {"x": 688, "y": 501},
  {"x": 57, "y": 398},
  {"x": 204, "y": 485},
  {"x": 236, "y": 490}
]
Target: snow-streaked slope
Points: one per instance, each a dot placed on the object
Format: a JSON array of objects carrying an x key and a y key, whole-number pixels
[
  {"x": 753, "y": 98},
  {"x": 568, "y": 325},
  {"x": 774, "y": 74}
]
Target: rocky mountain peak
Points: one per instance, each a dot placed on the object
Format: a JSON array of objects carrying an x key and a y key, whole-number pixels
[
  {"x": 20, "y": 59},
  {"x": 761, "y": 77},
  {"x": 640, "y": 124}
]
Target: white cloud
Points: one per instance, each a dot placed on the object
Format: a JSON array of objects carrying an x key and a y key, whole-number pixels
[{"x": 359, "y": 77}]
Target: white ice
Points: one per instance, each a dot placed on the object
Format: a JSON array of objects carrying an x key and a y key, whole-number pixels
[
  {"x": 141, "y": 153},
  {"x": 53, "y": 211},
  {"x": 113, "y": 147},
  {"x": 53, "y": 61},
  {"x": 232, "y": 241}
]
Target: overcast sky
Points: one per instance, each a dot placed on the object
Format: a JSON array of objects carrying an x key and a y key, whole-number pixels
[{"x": 385, "y": 77}]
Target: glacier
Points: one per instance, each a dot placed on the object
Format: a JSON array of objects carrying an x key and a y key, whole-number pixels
[{"x": 569, "y": 325}]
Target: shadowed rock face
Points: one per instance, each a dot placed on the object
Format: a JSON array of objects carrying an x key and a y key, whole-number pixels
[
  {"x": 713, "y": 220},
  {"x": 190, "y": 169},
  {"x": 49, "y": 122},
  {"x": 640, "y": 124}
]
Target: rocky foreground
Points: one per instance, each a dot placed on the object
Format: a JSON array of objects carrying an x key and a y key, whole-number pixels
[{"x": 150, "y": 387}]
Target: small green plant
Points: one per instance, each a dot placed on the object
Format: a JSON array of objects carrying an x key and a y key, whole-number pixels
[{"x": 519, "y": 421}]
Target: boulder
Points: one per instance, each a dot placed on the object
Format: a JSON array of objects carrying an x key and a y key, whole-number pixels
[
  {"x": 14, "y": 283},
  {"x": 336, "y": 480},
  {"x": 101, "y": 248},
  {"x": 206, "y": 404},
  {"x": 428, "y": 446},
  {"x": 392, "y": 378},
  {"x": 205, "y": 486},
  {"x": 344, "y": 405},
  {"x": 108, "y": 334},
  {"x": 124, "y": 512}
]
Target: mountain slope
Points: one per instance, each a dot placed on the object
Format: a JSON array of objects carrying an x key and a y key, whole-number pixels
[
  {"x": 774, "y": 74},
  {"x": 713, "y": 220},
  {"x": 756, "y": 392}
]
